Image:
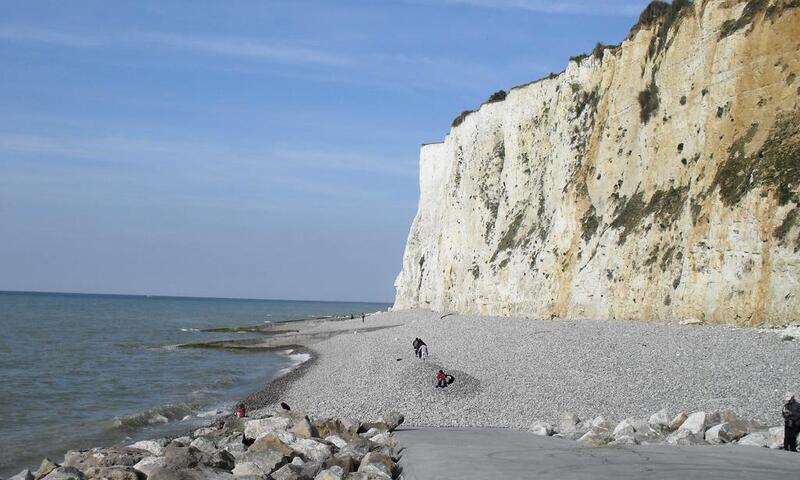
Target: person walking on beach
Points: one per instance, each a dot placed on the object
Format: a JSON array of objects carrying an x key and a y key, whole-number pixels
[
  {"x": 420, "y": 348},
  {"x": 791, "y": 422},
  {"x": 362, "y": 318}
]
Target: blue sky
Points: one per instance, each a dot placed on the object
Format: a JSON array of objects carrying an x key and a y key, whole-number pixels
[{"x": 259, "y": 149}]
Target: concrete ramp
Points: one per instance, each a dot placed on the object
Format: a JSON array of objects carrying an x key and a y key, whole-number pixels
[{"x": 487, "y": 453}]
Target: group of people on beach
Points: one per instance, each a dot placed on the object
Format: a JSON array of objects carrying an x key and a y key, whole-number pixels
[
  {"x": 353, "y": 317},
  {"x": 421, "y": 352}
]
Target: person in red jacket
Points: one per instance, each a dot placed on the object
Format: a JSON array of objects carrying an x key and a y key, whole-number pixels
[
  {"x": 441, "y": 379},
  {"x": 241, "y": 411}
]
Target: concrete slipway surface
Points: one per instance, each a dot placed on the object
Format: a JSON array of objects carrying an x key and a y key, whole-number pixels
[{"x": 486, "y": 453}]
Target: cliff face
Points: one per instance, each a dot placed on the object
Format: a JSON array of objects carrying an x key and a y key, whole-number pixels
[{"x": 653, "y": 180}]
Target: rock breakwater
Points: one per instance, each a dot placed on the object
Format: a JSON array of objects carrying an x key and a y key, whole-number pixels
[{"x": 273, "y": 445}]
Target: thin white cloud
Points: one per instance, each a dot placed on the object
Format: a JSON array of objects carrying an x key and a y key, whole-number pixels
[
  {"x": 238, "y": 47},
  {"x": 573, "y": 7},
  {"x": 50, "y": 37}
]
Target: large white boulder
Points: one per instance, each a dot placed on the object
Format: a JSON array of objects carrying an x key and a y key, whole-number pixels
[
  {"x": 755, "y": 439},
  {"x": 256, "y": 428},
  {"x": 542, "y": 429},
  {"x": 695, "y": 423},
  {"x": 311, "y": 449},
  {"x": 156, "y": 447},
  {"x": 659, "y": 420},
  {"x": 148, "y": 464}
]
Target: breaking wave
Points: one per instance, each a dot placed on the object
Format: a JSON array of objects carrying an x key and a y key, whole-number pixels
[{"x": 155, "y": 416}]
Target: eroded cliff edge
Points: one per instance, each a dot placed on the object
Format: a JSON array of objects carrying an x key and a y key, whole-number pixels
[{"x": 653, "y": 180}]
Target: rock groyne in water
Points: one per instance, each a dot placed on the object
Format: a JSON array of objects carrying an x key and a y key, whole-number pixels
[{"x": 653, "y": 180}]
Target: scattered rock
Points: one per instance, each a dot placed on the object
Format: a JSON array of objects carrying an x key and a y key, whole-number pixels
[
  {"x": 624, "y": 429},
  {"x": 685, "y": 437},
  {"x": 104, "y": 457},
  {"x": 336, "y": 440},
  {"x": 255, "y": 428},
  {"x": 311, "y": 449},
  {"x": 755, "y": 439},
  {"x": 333, "y": 473},
  {"x": 23, "y": 475},
  {"x": 677, "y": 421},
  {"x": 66, "y": 473},
  {"x": 112, "y": 473},
  {"x": 155, "y": 447},
  {"x": 304, "y": 429},
  {"x": 392, "y": 420},
  {"x": 775, "y": 436},
  {"x": 542, "y": 429},
  {"x": 46, "y": 467},
  {"x": 659, "y": 420},
  {"x": 695, "y": 423},
  {"x": 148, "y": 464},
  {"x": 204, "y": 445}
]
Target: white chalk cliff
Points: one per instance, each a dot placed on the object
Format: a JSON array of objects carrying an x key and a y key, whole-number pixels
[{"x": 657, "y": 179}]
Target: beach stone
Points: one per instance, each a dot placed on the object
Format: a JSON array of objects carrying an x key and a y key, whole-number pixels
[
  {"x": 648, "y": 436},
  {"x": 542, "y": 429},
  {"x": 338, "y": 441},
  {"x": 234, "y": 425},
  {"x": 736, "y": 423},
  {"x": 155, "y": 447},
  {"x": 596, "y": 438},
  {"x": 205, "y": 431},
  {"x": 719, "y": 434},
  {"x": 66, "y": 473},
  {"x": 270, "y": 442},
  {"x": 341, "y": 460},
  {"x": 677, "y": 421},
  {"x": 569, "y": 423},
  {"x": 112, "y": 473},
  {"x": 204, "y": 445},
  {"x": 198, "y": 473},
  {"x": 370, "y": 471},
  {"x": 659, "y": 420},
  {"x": 248, "y": 469},
  {"x": 624, "y": 429},
  {"x": 756, "y": 439},
  {"x": 333, "y": 473},
  {"x": 685, "y": 438},
  {"x": 148, "y": 464},
  {"x": 255, "y": 428},
  {"x": 23, "y": 475},
  {"x": 624, "y": 440},
  {"x": 311, "y": 449},
  {"x": 383, "y": 462},
  {"x": 182, "y": 441},
  {"x": 304, "y": 429},
  {"x": 775, "y": 437},
  {"x": 267, "y": 459},
  {"x": 392, "y": 420},
  {"x": 385, "y": 438},
  {"x": 46, "y": 467},
  {"x": 350, "y": 425},
  {"x": 287, "y": 472},
  {"x": 311, "y": 469},
  {"x": 178, "y": 457},
  {"x": 695, "y": 423},
  {"x": 104, "y": 457}
]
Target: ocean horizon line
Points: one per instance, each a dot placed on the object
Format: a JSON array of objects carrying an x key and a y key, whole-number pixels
[{"x": 181, "y": 297}]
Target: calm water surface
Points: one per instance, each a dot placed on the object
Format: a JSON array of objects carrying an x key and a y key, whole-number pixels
[{"x": 78, "y": 371}]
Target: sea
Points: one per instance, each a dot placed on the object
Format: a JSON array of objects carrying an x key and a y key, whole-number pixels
[{"x": 79, "y": 371}]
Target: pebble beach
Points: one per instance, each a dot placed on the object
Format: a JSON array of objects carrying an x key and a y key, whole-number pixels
[{"x": 513, "y": 372}]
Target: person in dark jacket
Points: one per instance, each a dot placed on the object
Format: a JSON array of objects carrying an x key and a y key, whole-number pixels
[
  {"x": 791, "y": 419},
  {"x": 418, "y": 344}
]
